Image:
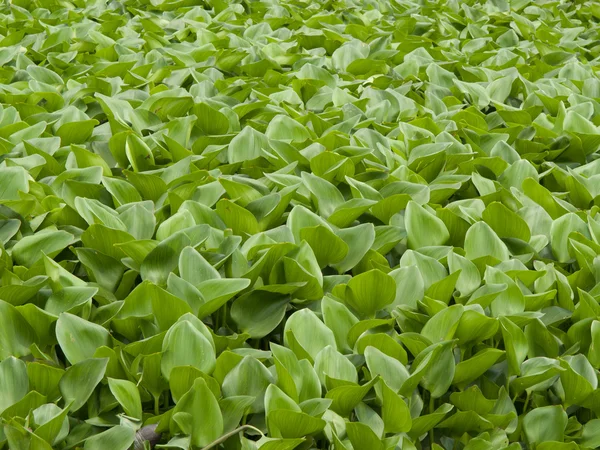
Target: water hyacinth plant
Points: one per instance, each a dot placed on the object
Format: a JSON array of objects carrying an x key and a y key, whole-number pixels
[{"x": 296, "y": 224}]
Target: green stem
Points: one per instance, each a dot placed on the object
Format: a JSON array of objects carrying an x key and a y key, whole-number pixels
[
  {"x": 216, "y": 317},
  {"x": 224, "y": 315},
  {"x": 526, "y": 404},
  {"x": 431, "y": 409},
  {"x": 231, "y": 433},
  {"x": 156, "y": 406}
]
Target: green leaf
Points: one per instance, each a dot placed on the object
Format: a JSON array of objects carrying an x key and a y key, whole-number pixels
[
  {"x": 438, "y": 375},
  {"x": 210, "y": 120},
  {"x": 239, "y": 219},
  {"x": 80, "y": 380},
  {"x": 515, "y": 344},
  {"x": 396, "y": 415},
  {"x": 285, "y": 128},
  {"x": 309, "y": 332},
  {"x": 423, "y": 227},
  {"x": 505, "y": 223},
  {"x": 14, "y": 384},
  {"x": 330, "y": 363},
  {"x": 543, "y": 424},
  {"x": 79, "y": 338},
  {"x": 590, "y": 437},
  {"x": 328, "y": 248},
  {"x": 218, "y": 291},
  {"x": 362, "y": 436},
  {"x": 185, "y": 345},
  {"x": 559, "y": 234},
  {"x": 250, "y": 378},
  {"x": 469, "y": 278},
  {"x": 291, "y": 424},
  {"x": 424, "y": 423},
  {"x": 12, "y": 181},
  {"x": 138, "y": 153},
  {"x": 359, "y": 240},
  {"x": 119, "y": 437},
  {"x": 204, "y": 412},
  {"x": 127, "y": 395},
  {"x": 578, "y": 379},
  {"x": 194, "y": 269},
  {"x": 122, "y": 191},
  {"x": 258, "y": 313},
  {"x": 163, "y": 258},
  {"x": 392, "y": 372},
  {"x": 346, "y": 397},
  {"x": 474, "y": 326},
  {"x": 464, "y": 421},
  {"x": 53, "y": 423},
  {"x": 472, "y": 368},
  {"x": 182, "y": 379},
  {"x": 326, "y": 196},
  {"x": 481, "y": 241},
  {"x": 370, "y": 291},
  {"x": 44, "y": 379},
  {"x": 443, "y": 325},
  {"x": 247, "y": 145},
  {"x": 16, "y": 335},
  {"x": 31, "y": 248}
]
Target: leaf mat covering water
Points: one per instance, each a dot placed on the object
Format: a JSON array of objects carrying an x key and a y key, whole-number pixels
[{"x": 287, "y": 224}]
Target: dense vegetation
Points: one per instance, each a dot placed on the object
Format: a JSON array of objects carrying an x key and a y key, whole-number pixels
[{"x": 295, "y": 224}]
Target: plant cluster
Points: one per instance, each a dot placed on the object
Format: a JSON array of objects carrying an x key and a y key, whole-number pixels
[{"x": 296, "y": 224}]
